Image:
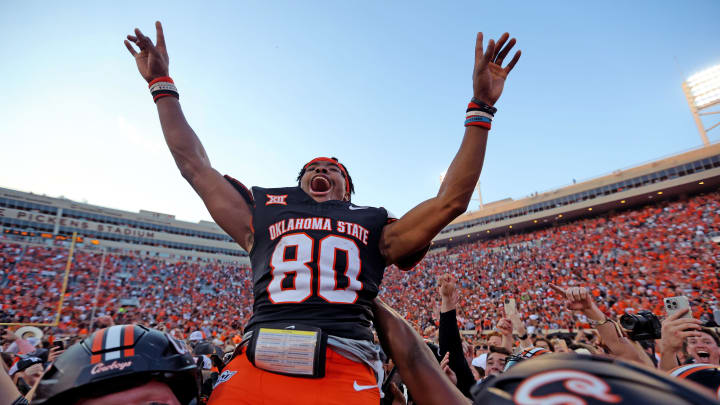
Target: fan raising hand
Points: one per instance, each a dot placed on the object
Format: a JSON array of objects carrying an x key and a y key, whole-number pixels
[{"x": 578, "y": 298}]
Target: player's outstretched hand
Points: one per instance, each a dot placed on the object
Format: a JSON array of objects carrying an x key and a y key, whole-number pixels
[
  {"x": 489, "y": 75},
  {"x": 152, "y": 60}
]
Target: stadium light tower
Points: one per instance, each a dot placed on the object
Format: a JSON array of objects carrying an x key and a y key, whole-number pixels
[
  {"x": 702, "y": 91},
  {"x": 479, "y": 195},
  {"x": 477, "y": 188}
]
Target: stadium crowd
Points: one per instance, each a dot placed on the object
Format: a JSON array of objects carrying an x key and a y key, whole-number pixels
[
  {"x": 177, "y": 296},
  {"x": 566, "y": 281},
  {"x": 631, "y": 259}
]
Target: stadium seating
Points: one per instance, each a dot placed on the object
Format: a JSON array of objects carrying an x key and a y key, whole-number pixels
[{"x": 630, "y": 259}]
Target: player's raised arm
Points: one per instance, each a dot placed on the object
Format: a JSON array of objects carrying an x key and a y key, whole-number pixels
[
  {"x": 415, "y": 230},
  {"x": 226, "y": 205}
]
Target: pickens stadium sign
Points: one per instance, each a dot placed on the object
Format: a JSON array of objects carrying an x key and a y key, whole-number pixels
[{"x": 74, "y": 223}]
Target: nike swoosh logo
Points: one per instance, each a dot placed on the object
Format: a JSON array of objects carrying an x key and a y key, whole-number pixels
[
  {"x": 290, "y": 327},
  {"x": 357, "y": 208},
  {"x": 362, "y": 387}
]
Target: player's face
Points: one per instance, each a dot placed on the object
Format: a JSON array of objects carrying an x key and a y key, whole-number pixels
[
  {"x": 151, "y": 393},
  {"x": 324, "y": 181},
  {"x": 703, "y": 349}
]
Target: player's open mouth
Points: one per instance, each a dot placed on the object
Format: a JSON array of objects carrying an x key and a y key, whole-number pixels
[
  {"x": 320, "y": 185},
  {"x": 703, "y": 354}
]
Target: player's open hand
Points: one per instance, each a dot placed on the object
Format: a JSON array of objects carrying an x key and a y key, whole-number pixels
[
  {"x": 489, "y": 75},
  {"x": 152, "y": 60}
]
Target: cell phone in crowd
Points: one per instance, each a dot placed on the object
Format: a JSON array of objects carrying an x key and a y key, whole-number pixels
[
  {"x": 676, "y": 304},
  {"x": 59, "y": 344},
  {"x": 510, "y": 307}
]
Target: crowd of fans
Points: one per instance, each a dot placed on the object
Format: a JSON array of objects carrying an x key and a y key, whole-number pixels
[
  {"x": 561, "y": 279},
  {"x": 630, "y": 260},
  {"x": 178, "y": 296}
]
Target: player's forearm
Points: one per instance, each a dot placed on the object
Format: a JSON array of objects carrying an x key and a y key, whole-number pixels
[
  {"x": 418, "y": 368},
  {"x": 417, "y": 227},
  {"x": 186, "y": 148},
  {"x": 464, "y": 171},
  {"x": 426, "y": 382}
]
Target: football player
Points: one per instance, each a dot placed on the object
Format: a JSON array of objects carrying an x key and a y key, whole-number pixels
[
  {"x": 317, "y": 259},
  {"x": 122, "y": 365},
  {"x": 570, "y": 378}
]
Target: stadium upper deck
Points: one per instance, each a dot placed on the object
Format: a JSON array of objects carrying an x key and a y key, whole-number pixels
[
  {"x": 41, "y": 217},
  {"x": 38, "y": 216},
  {"x": 685, "y": 173}
]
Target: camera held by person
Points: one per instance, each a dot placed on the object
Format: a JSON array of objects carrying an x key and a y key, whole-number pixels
[{"x": 642, "y": 326}]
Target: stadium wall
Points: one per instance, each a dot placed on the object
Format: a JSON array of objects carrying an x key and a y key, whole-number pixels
[{"x": 48, "y": 219}]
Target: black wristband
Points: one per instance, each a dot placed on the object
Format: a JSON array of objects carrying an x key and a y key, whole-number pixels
[{"x": 483, "y": 107}]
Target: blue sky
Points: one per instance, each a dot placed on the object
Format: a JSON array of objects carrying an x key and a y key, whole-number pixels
[{"x": 269, "y": 85}]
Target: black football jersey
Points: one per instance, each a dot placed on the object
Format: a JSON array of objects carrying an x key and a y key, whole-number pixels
[{"x": 315, "y": 263}]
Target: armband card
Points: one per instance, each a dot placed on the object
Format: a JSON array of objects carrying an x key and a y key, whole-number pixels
[{"x": 288, "y": 349}]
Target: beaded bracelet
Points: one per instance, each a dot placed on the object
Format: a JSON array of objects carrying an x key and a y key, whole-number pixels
[{"x": 163, "y": 87}]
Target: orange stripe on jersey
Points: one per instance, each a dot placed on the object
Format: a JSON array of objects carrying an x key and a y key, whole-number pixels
[
  {"x": 97, "y": 345},
  {"x": 694, "y": 369},
  {"x": 128, "y": 340}
]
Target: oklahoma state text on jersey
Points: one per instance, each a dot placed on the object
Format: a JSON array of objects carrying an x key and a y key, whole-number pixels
[{"x": 315, "y": 263}]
